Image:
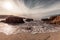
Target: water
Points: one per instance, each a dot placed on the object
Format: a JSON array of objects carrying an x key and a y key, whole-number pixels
[{"x": 36, "y": 26}]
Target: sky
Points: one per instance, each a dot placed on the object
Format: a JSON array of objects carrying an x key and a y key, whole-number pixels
[{"x": 36, "y": 9}]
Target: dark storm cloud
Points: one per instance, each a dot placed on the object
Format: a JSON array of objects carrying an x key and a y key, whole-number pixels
[{"x": 35, "y": 3}]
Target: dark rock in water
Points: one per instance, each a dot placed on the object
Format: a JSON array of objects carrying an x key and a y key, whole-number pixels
[
  {"x": 46, "y": 20},
  {"x": 28, "y": 20},
  {"x": 49, "y": 19},
  {"x": 13, "y": 19},
  {"x": 10, "y": 19},
  {"x": 29, "y": 28}
]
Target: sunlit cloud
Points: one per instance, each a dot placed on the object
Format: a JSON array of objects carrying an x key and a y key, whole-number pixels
[{"x": 7, "y": 5}]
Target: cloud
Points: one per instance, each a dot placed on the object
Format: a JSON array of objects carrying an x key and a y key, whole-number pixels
[
  {"x": 40, "y": 3},
  {"x": 34, "y": 8}
]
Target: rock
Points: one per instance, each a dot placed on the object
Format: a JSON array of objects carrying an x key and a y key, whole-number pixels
[
  {"x": 53, "y": 20},
  {"x": 28, "y": 20},
  {"x": 27, "y": 28},
  {"x": 49, "y": 19},
  {"x": 13, "y": 19},
  {"x": 56, "y": 20},
  {"x": 4, "y": 16},
  {"x": 46, "y": 20}
]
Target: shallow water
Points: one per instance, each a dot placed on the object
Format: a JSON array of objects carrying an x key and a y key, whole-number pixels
[{"x": 36, "y": 26}]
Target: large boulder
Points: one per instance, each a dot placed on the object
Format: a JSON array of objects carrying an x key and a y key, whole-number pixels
[{"x": 13, "y": 19}]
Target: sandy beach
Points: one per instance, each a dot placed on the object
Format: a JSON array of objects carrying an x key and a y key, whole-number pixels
[{"x": 28, "y": 36}]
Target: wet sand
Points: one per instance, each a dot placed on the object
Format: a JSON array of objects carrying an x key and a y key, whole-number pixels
[{"x": 28, "y": 36}]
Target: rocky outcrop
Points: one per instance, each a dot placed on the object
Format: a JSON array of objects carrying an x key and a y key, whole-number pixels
[
  {"x": 56, "y": 20},
  {"x": 13, "y": 19},
  {"x": 16, "y": 20},
  {"x": 53, "y": 20}
]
